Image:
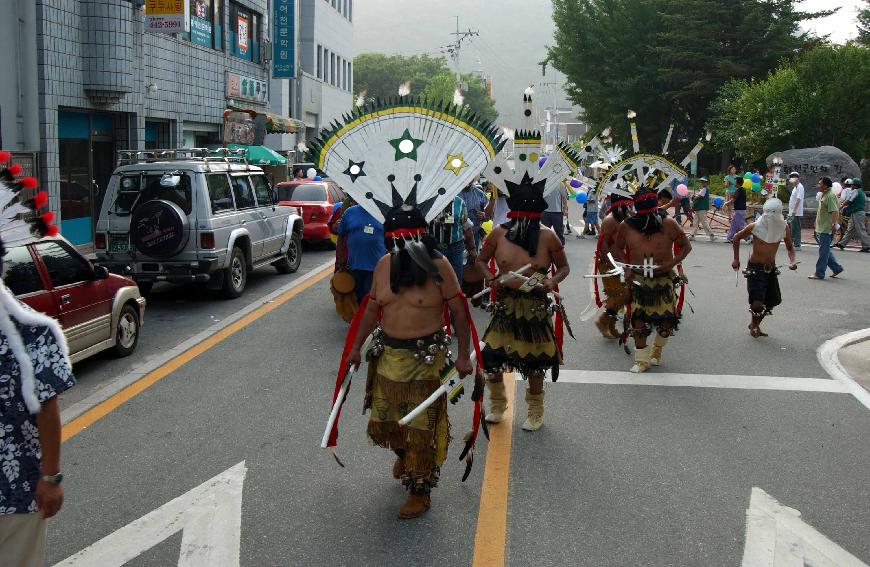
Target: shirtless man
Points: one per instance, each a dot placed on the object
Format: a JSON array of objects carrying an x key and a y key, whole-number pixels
[
  {"x": 520, "y": 334},
  {"x": 614, "y": 288},
  {"x": 761, "y": 272},
  {"x": 643, "y": 238},
  {"x": 410, "y": 286}
]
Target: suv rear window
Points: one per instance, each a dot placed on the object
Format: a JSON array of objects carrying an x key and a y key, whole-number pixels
[
  {"x": 301, "y": 193},
  {"x": 139, "y": 188}
]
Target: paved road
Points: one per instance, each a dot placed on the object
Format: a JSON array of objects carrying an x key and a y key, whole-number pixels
[
  {"x": 621, "y": 473},
  {"x": 175, "y": 313}
]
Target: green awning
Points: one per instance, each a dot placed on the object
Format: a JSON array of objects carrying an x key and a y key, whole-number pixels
[{"x": 261, "y": 155}]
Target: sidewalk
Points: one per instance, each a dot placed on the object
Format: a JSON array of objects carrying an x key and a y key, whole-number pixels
[{"x": 855, "y": 359}]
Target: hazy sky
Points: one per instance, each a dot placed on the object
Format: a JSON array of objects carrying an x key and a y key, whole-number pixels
[{"x": 513, "y": 39}]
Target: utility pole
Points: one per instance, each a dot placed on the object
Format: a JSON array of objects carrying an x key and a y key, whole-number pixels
[{"x": 454, "y": 48}]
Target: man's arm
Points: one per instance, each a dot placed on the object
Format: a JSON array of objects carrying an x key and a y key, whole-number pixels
[
  {"x": 683, "y": 246},
  {"x": 735, "y": 244},
  {"x": 49, "y": 497},
  {"x": 557, "y": 254},
  {"x": 450, "y": 291},
  {"x": 370, "y": 317},
  {"x": 486, "y": 252},
  {"x": 470, "y": 246}
]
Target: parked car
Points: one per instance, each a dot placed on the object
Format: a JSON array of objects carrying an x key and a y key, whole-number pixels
[
  {"x": 97, "y": 310},
  {"x": 315, "y": 199},
  {"x": 194, "y": 216}
]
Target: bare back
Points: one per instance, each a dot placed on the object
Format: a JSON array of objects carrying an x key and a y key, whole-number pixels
[
  {"x": 659, "y": 245},
  {"x": 509, "y": 256},
  {"x": 415, "y": 311}
]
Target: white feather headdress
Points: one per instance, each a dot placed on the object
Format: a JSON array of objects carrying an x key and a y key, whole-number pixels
[
  {"x": 406, "y": 151},
  {"x": 21, "y": 223}
]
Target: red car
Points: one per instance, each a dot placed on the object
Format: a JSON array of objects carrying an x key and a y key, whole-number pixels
[
  {"x": 96, "y": 309},
  {"x": 315, "y": 200}
]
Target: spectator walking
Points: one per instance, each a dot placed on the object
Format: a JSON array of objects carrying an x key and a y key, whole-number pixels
[
  {"x": 557, "y": 204},
  {"x": 827, "y": 215},
  {"x": 732, "y": 180},
  {"x": 796, "y": 208},
  {"x": 845, "y": 195},
  {"x": 682, "y": 204},
  {"x": 475, "y": 204},
  {"x": 450, "y": 231},
  {"x": 365, "y": 246},
  {"x": 854, "y": 209},
  {"x": 738, "y": 218},
  {"x": 701, "y": 204},
  {"x": 591, "y": 212}
]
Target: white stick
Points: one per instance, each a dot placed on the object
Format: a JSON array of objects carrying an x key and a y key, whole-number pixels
[
  {"x": 444, "y": 388},
  {"x": 499, "y": 279},
  {"x": 339, "y": 400}
]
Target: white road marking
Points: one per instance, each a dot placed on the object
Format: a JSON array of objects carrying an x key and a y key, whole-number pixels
[
  {"x": 210, "y": 516},
  {"x": 737, "y": 382},
  {"x": 830, "y": 360},
  {"x": 776, "y": 536},
  {"x": 152, "y": 363}
]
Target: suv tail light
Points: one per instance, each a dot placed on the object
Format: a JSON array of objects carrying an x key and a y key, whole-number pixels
[
  {"x": 100, "y": 241},
  {"x": 206, "y": 240}
]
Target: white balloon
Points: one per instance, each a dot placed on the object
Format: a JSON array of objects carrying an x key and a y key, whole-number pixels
[{"x": 311, "y": 173}]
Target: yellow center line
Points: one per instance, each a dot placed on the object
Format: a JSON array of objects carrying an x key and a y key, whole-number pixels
[
  {"x": 490, "y": 538},
  {"x": 102, "y": 409}
]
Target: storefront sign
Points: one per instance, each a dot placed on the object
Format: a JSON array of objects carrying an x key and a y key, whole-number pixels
[
  {"x": 242, "y": 33},
  {"x": 167, "y": 16},
  {"x": 200, "y": 23},
  {"x": 246, "y": 88},
  {"x": 284, "y": 39}
]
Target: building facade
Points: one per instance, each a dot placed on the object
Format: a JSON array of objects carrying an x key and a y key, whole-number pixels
[
  {"x": 105, "y": 84},
  {"x": 322, "y": 90}
]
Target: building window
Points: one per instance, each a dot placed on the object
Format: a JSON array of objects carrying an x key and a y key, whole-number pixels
[
  {"x": 332, "y": 69},
  {"x": 346, "y": 82},
  {"x": 350, "y": 10},
  {"x": 350, "y": 76},
  {"x": 319, "y": 61},
  {"x": 244, "y": 33},
  {"x": 206, "y": 23}
]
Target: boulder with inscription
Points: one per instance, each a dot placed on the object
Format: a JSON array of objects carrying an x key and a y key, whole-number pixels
[{"x": 814, "y": 163}]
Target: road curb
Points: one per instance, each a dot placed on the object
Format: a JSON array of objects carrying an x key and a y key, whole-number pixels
[
  {"x": 109, "y": 390},
  {"x": 829, "y": 358}
]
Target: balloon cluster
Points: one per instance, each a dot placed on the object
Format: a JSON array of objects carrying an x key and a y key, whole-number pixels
[{"x": 752, "y": 181}]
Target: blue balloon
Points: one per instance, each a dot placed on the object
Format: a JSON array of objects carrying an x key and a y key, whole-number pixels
[
  {"x": 318, "y": 178},
  {"x": 336, "y": 206},
  {"x": 581, "y": 198},
  {"x": 756, "y": 178},
  {"x": 718, "y": 201},
  {"x": 575, "y": 183}
]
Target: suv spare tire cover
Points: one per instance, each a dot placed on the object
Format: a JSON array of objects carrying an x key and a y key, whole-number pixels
[{"x": 159, "y": 229}]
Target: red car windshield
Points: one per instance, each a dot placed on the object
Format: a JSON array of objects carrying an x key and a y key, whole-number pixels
[{"x": 301, "y": 193}]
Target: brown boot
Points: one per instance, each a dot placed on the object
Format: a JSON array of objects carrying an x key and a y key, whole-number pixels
[
  {"x": 604, "y": 326},
  {"x": 415, "y": 506},
  {"x": 611, "y": 326},
  {"x": 398, "y": 467}
]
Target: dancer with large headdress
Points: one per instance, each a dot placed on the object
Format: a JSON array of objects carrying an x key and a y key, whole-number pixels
[
  {"x": 403, "y": 161},
  {"x": 521, "y": 335}
]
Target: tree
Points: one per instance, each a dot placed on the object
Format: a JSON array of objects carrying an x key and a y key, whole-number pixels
[
  {"x": 818, "y": 99},
  {"x": 864, "y": 24},
  {"x": 667, "y": 59},
  {"x": 379, "y": 76}
]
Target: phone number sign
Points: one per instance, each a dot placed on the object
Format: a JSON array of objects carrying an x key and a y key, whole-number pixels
[{"x": 167, "y": 16}]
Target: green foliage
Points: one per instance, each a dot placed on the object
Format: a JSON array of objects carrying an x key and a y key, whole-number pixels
[
  {"x": 816, "y": 100},
  {"x": 666, "y": 59},
  {"x": 379, "y": 75},
  {"x": 864, "y": 24}
]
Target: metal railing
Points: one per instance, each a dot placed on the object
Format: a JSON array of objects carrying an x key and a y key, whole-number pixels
[{"x": 205, "y": 155}]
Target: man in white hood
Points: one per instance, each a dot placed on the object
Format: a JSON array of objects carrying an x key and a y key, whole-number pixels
[{"x": 761, "y": 272}]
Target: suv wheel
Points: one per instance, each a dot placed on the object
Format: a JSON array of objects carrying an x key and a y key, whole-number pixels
[
  {"x": 290, "y": 262},
  {"x": 236, "y": 275},
  {"x": 126, "y": 332}
]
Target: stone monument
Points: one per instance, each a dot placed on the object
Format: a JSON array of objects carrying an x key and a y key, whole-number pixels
[{"x": 814, "y": 163}]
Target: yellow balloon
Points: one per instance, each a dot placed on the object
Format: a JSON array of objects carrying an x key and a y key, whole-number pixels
[
  {"x": 486, "y": 226},
  {"x": 747, "y": 184}
]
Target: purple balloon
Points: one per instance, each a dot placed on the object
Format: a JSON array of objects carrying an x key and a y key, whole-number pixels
[
  {"x": 542, "y": 161},
  {"x": 575, "y": 183}
]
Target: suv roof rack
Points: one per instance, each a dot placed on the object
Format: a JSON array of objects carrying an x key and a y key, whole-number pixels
[{"x": 205, "y": 155}]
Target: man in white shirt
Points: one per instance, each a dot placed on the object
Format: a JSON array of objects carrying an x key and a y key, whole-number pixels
[{"x": 796, "y": 208}]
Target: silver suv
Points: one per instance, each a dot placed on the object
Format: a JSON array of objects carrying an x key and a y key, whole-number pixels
[{"x": 194, "y": 215}]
